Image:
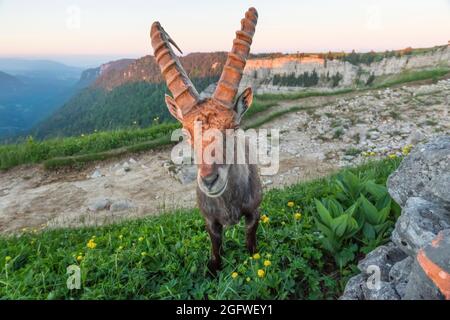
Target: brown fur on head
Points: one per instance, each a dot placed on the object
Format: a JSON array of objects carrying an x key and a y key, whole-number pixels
[
  {"x": 221, "y": 111},
  {"x": 211, "y": 114}
]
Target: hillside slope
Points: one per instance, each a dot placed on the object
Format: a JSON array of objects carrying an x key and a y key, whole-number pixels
[
  {"x": 39, "y": 69},
  {"x": 125, "y": 93},
  {"x": 8, "y": 83}
]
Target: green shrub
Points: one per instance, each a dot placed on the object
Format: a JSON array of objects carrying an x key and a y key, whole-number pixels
[
  {"x": 337, "y": 226},
  {"x": 349, "y": 221}
]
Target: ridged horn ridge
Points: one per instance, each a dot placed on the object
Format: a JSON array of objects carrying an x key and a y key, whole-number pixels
[
  {"x": 228, "y": 85},
  {"x": 183, "y": 91}
]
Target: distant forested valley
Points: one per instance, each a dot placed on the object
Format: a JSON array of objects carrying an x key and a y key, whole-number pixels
[
  {"x": 30, "y": 91},
  {"x": 134, "y": 104}
]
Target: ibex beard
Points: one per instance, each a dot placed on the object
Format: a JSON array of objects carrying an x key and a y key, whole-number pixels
[{"x": 225, "y": 192}]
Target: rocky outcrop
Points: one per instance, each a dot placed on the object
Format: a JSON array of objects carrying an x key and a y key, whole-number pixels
[
  {"x": 89, "y": 76},
  {"x": 425, "y": 174},
  {"x": 419, "y": 224},
  {"x": 430, "y": 277},
  {"x": 260, "y": 72},
  {"x": 416, "y": 264}
]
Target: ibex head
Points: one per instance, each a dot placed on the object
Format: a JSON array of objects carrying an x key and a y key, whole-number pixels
[{"x": 222, "y": 111}]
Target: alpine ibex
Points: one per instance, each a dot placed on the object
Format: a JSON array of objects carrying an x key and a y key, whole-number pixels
[{"x": 225, "y": 192}]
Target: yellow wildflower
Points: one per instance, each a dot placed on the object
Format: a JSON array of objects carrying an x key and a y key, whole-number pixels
[
  {"x": 297, "y": 216},
  {"x": 7, "y": 258},
  {"x": 265, "y": 219},
  {"x": 261, "y": 273},
  {"x": 247, "y": 279},
  {"x": 290, "y": 204},
  {"x": 406, "y": 149},
  {"x": 234, "y": 275},
  {"x": 372, "y": 154},
  {"x": 120, "y": 237},
  {"x": 256, "y": 256},
  {"x": 91, "y": 244},
  {"x": 267, "y": 263},
  {"x": 141, "y": 239},
  {"x": 392, "y": 156},
  {"x": 79, "y": 258},
  {"x": 364, "y": 154},
  {"x": 143, "y": 254}
]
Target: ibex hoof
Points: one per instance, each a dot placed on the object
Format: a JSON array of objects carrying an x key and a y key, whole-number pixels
[
  {"x": 213, "y": 267},
  {"x": 252, "y": 249}
]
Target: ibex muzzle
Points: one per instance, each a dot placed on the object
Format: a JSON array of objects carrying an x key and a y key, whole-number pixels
[{"x": 225, "y": 192}]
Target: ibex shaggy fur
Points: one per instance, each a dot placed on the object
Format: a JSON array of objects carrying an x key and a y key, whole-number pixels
[{"x": 225, "y": 192}]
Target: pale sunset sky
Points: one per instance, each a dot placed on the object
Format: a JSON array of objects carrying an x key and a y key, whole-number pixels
[{"x": 83, "y": 32}]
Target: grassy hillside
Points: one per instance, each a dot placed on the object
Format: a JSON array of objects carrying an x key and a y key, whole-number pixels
[
  {"x": 164, "y": 257},
  {"x": 34, "y": 151}
]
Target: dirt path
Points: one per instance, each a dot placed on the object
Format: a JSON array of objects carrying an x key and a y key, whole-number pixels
[{"x": 314, "y": 143}]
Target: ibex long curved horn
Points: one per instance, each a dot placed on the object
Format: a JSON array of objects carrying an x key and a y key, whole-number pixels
[
  {"x": 234, "y": 67},
  {"x": 184, "y": 92}
]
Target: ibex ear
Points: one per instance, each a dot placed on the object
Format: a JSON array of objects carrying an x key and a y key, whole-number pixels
[
  {"x": 173, "y": 108},
  {"x": 244, "y": 101}
]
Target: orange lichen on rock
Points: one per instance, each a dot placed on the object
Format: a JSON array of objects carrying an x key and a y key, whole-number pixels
[{"x": 435, "y": 273}]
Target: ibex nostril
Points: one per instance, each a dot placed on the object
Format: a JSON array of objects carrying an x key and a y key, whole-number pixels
[{"x": 210, "y": 180}]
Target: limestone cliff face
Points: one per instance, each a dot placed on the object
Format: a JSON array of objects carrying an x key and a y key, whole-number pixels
[
  {"x": 260, "y": 73},
  {"x": 440, "y": 57}
]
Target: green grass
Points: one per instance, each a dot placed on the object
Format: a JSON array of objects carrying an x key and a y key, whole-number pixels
[
  {"x": 89, "y": 147},
  {"x": 410, "y": 76},
  {"x": 352, "y": 152},
  {"x": 259, "y": 106},
  {"x": 271, "y": 117},
  {"x": 300, "y": 95},
  {"x": 164, "y": 257},
  {"x": 82, "y": 159}
]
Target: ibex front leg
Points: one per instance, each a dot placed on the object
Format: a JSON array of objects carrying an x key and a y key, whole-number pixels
[
  {"x": 252, "y": 222},
  {"x": 215, "y": 233}
]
